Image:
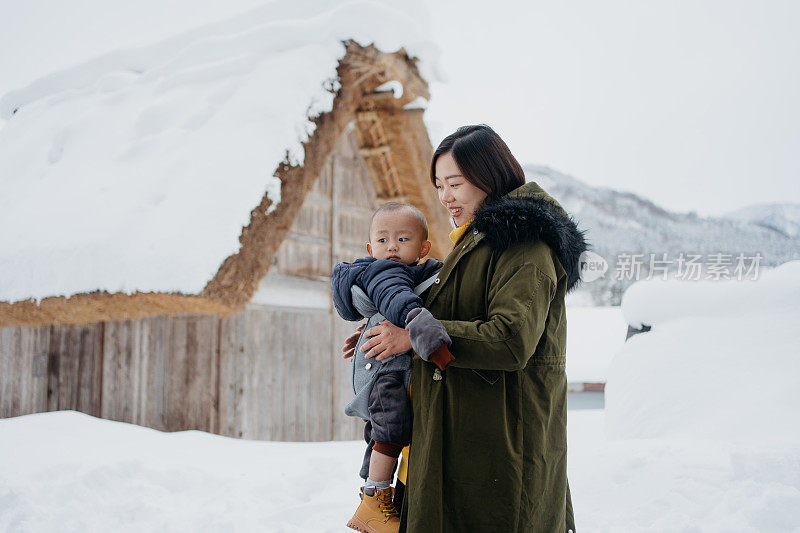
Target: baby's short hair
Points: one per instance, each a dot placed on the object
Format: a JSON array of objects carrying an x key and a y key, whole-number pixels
[{"x": 391, "y": 207}]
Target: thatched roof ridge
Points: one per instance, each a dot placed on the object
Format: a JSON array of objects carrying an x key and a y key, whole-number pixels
[{"x": 360, "y": 72}]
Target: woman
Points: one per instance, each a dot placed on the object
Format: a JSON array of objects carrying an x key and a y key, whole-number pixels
[{"x": 489, "y": 443}]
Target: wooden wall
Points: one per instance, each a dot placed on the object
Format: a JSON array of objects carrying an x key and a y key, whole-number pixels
[{"x": 273, "y": 371}]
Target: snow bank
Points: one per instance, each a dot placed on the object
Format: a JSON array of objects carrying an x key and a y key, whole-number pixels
[
  {"x": 721, "y": 361},
  {"x": 66, "y": 471},
  {"x": 594, "y": 334},
  {"x": 679, "y": 485},
  {"x": 655, "y": 301},
  {"x": 137, "y": 170}
]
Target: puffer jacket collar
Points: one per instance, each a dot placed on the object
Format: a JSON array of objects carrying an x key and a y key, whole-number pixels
[{"x": 529, "y": 214}]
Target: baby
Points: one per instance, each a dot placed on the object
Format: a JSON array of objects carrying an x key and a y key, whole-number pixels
[{"x": 388, "y": 285}]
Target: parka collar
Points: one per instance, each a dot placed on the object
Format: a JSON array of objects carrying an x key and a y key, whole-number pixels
[
  {"x": 529, "y": 214},
  {"x": 526, "y": 214}
]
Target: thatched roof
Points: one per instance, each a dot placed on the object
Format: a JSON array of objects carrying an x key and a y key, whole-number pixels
[{"x": 397, "y": 151}]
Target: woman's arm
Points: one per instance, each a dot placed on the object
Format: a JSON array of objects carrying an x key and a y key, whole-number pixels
[{"x": 519, "y": 302}]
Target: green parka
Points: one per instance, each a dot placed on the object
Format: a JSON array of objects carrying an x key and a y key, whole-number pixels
[{"x": 489, "y": 444}]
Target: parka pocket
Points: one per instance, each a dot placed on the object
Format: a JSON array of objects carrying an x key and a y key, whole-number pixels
[{"x": 489, "y": 376}]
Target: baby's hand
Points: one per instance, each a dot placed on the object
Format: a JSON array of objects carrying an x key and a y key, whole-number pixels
[{"x": 350, "y": 343}]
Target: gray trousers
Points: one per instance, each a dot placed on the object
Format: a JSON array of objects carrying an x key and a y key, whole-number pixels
[{"x": 389, "y": 415}]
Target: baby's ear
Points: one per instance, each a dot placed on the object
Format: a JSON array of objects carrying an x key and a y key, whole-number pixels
[
  {"x": 369, "y": 250},
  {"x": 425, "y": 249}
]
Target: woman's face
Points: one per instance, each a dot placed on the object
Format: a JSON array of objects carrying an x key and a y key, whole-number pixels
[{"x": 460, "y": 197}]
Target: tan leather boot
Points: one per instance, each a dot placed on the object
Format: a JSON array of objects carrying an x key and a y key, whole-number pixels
[{"x": 376, "y": 513}]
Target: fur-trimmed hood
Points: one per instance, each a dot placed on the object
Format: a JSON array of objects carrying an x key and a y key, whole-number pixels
[{"x": 528, "y": 213}]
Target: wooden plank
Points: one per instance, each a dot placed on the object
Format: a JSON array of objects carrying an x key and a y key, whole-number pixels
[
  {"x": 10, "y": 377},
  {"x": 307, "y": 259},
  {"x": 132, "y": 376},
  {"x": 118, "y": 386},
  {"x": 75, "y": 352},
  {"x": 231, "y": 375},
  {"x": 190, "y": 367},
  {"x": 151, "y": 353},
  {"x": 344, "y": 427},
  {"x": 312, "y": 219},
  {"x": 375, "y": 151},
  {"x": 320, "y": 419},
  {"x": 285, "y": 390},
  {"x": 273, "y": 356},
  {"x": 24, "y": 361},
  {"x": 366, "y": 116},
  {"x": 97, "y": 387},
  {"x": 259, "y": 405},
  {"x": 293, "y": 375}
]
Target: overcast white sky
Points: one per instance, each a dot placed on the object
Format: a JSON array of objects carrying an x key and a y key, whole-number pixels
[{"x": 693, "y": 104}]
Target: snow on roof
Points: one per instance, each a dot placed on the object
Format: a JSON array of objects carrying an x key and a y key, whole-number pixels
[
  {"x": 420, "y": 102},
  {"x": 138, "y": 169},
  {"x": 392, "y": 85},
  {"x": 763, "y": 290},
  {"x": 720, "y": 363}
]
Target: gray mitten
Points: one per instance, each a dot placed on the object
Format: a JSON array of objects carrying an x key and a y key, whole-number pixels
[{"x": 427, "y": 334}]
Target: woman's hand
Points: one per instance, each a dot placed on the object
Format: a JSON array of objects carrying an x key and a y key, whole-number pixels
[
  {"x": 350, "y": 343},
  {"x": 385, "y": 340}
]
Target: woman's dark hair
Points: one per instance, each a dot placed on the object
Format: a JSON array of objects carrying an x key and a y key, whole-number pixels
[{"x": 484, "y": 160}]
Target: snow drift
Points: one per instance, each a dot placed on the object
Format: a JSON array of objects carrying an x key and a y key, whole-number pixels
[{"x": 721, "y": 361}]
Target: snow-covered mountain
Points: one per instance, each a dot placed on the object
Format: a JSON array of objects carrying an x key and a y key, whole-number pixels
[
  {"x": 782, "y": 217},
  {"x": 620, "y": 222}
]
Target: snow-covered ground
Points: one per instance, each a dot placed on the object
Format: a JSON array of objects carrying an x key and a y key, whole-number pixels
[
  {"x": 686, "y": 485},
  {"x": 67, "y": 471},
  {"x": 699, "y": 434}
]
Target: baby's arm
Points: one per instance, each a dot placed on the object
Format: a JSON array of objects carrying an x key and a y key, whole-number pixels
[
  {"x": 342, "y": 279},
  {"x": 390, "y": 286},
  {"x": 393, "y": 295}
]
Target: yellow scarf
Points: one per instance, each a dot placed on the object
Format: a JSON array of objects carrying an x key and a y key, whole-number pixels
[{"x": 459, "y": 231}]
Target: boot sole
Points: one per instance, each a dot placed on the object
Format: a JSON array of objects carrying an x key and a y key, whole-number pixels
[{"x": 357, "y": 524}]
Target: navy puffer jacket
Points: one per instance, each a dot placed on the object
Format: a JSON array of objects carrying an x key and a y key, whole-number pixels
[{"x": 389, "y": 284}]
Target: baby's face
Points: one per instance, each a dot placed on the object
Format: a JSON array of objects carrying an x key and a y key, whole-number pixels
[{"x": 397, "y": 236}]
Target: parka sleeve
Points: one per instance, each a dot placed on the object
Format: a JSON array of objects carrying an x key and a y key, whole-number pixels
[{"x": 519, "y": 295}]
